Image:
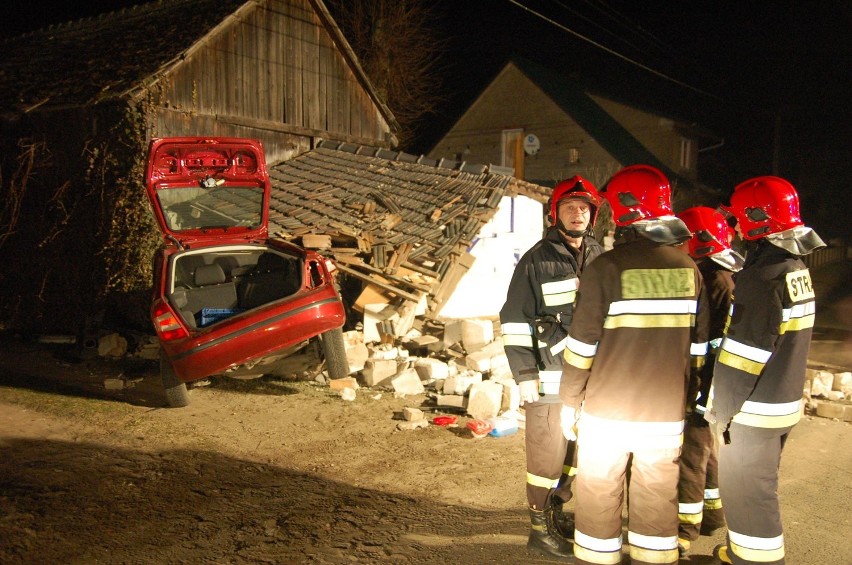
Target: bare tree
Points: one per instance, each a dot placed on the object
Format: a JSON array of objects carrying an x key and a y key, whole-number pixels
[{"x": 399, "y": 47}]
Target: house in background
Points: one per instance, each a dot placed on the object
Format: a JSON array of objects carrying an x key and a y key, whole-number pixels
[{"x": 547, "y": 126}]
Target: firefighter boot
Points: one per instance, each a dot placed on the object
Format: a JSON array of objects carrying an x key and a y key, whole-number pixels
[
  {"x": 544, "y": 540},
  {"x": 721, "y": 552},
  {"x": 562, "y": 523}
]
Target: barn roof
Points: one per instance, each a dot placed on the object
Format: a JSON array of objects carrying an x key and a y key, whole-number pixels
[
  {"x": 117, "y": 54},
  {"x": 395, "y": 208}
]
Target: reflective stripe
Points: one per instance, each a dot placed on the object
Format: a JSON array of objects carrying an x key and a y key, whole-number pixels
[
  {"x": 599, "y": 545},
  {"x": 581, "y": 348},
  {"x": 548, "y": 382},
  {"x": 557, "y": 293},
  {"x": 579, "y": 354},
  {"x": 650, "y": 321},
  {"x": 686, "y": 518},
  {"x": 542, "y": 482},
  {"x": 731, "y": 360},
  {"x": 519, "y": 328},
  {"x": 715, "y": 343},
  {"x": 652, "y": 307},
  {"x": 700, "y": 409},
  {"x": 758, "y": 550},
  {"x": 569, "y": 470},
  {"x": 557, "y": 349},
  {"x": 690, "y": 507},
  {"x": 713, "y": 504},
  {"x": 577, "y": 360},
  {"x": 747, "y": 351},
  {"x": 696, "y": 362},
  {"x": 698, "y": 348},
  {"x": 711, "y": 493},
  {"x": 799, "y": 317},
  {"x": 664, "y": 556},
  {"x": 652, "y": 542},
  {"x": 769, "y": 415},
  {"x": 517, "y": 340},
  {"x": 637, "y": 435}
]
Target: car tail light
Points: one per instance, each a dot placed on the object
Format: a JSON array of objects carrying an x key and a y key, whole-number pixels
[{"x": 167, "y": 324}]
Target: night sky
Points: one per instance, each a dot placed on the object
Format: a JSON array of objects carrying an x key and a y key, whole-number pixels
[{"x": 770, "y": 78}]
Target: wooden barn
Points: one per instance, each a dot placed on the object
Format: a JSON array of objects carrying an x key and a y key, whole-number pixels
[{"x": 79, "y": 102}]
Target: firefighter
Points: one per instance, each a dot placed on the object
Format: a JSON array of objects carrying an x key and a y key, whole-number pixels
[
  {"x": 636, "y": 331},
  {"x": 699, "y": 504},
  {"x": 756, "y": 396},
  {"x": 534, "y": 322}
]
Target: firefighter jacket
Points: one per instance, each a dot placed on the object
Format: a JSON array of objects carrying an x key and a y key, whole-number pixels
[
  {"x": 638, "y": 328},
  {"x": 538, "y": 309},
  {"x": 760, "y": 370},
  {"x": 719, "y": 285}
]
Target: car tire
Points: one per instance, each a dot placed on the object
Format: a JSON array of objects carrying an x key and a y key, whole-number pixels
[
  {"x": 334, "y": 351},
  {"x": 177, "y": 395}
]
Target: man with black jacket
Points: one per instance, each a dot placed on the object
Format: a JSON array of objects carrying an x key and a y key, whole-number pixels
[
  {"x": 756, "y": 396},
  {"x": 534, "y": 322}
]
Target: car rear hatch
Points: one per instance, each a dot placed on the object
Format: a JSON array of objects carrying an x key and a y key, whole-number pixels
[{"x": 205, "y": 191}]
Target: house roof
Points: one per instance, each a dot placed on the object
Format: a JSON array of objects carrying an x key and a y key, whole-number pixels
[
  {"x": 117, "y": 54},
  {"x": 394, "y": 208},
  {"x": 573, "y": 98}
]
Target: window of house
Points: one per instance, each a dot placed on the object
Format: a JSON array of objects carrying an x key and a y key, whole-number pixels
[
  {"x": 685, "y": 153},
  {"x": 511, "y": 142},
  {"x": 573, "y": 156}
]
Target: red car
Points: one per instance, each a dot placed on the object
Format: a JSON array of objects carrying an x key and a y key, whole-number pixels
[{"x": 229, "y": 300}]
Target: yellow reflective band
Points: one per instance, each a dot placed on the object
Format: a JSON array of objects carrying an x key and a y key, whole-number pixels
[
  {"x": 758, "y": 550},
  {"x": 747, "y": 351},
  {"x": 560, "y": 299},
  {"x": 690, "y": 518},
  {"x": 569, "y": 470},
  {"x": 713, "y": 504},
  {"x": 799, "y": 286},
  {"x": 658, "y": 283},
  {"x": 597, "y": 557},
  {"x": 697, "y": 362},
  {"x": 741, "y": 363},
  {"x": 577, "y": 360},
  {"x": 542, "y": 482},
  {"x": 517, "y": 340},
  {"x": 796, "y": 324},
  {"x": 653, "y": 555},
  {"x": 649, "y": 321},
  {"x": 765, "y": 421}
]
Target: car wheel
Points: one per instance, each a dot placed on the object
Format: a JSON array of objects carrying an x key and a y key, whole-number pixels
[
  {"x": 177, "y": 395},
  {"x": 335, "y": 354}
]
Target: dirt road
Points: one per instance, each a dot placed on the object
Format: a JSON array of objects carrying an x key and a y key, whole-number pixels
[{"x": 288, "y": 472}]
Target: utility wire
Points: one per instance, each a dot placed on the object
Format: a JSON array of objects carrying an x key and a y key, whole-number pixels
[{"x": 615, "y": 53}]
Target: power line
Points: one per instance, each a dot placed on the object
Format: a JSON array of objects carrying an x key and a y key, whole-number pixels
[{"x": 615, "y": 53}]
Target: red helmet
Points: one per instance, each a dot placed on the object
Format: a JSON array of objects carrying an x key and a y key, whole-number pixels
[
  {"x": 765, "y": 205},
  {"x": 638, "y": 192},
  {"x": 575, "y": 187},
  {"x": 709, "y": 231}
]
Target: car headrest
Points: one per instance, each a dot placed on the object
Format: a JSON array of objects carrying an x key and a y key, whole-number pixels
[{"x": 209, "y": 274}]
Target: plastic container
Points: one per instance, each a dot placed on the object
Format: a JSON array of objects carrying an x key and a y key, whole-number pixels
[{"x": 502, "y": 426}]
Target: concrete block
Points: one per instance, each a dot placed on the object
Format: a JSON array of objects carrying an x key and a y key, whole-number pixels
[
  {"x": 478, "y": 361},
  {"x": 835, "y": 410},
  {"x": 112, "y": 345},
  {"x": 452, "y": 332},
  {"x": 412, "y": 414},
  {"x": 843, "y": 383},
  {"x": 451, "y": 400},
  {"x": 461, "y": 383},
  {"x": 430, "y": 369},
  {"x": 356, "y": 350},
  {"x": 821, "y": 384},
  {"x": 345, "y": 382},
  {"x": 407, "y": 382},
  {"x": 378, "y": 370},
  {"x": 485, "y": 399},
  {"x": 511, "y": 396},
  {"x": 476, "y": 334}
]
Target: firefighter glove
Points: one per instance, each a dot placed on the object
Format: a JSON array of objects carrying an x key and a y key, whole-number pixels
[
  {"x": 528, "y": 391},
  {"x": 568, "y": 419}
]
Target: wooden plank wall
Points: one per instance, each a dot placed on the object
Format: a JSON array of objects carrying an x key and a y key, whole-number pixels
[{"x": 275, "y": 65}]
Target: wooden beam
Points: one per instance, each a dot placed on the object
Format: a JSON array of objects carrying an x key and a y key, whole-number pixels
[{"x": 387, "y": 287}]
